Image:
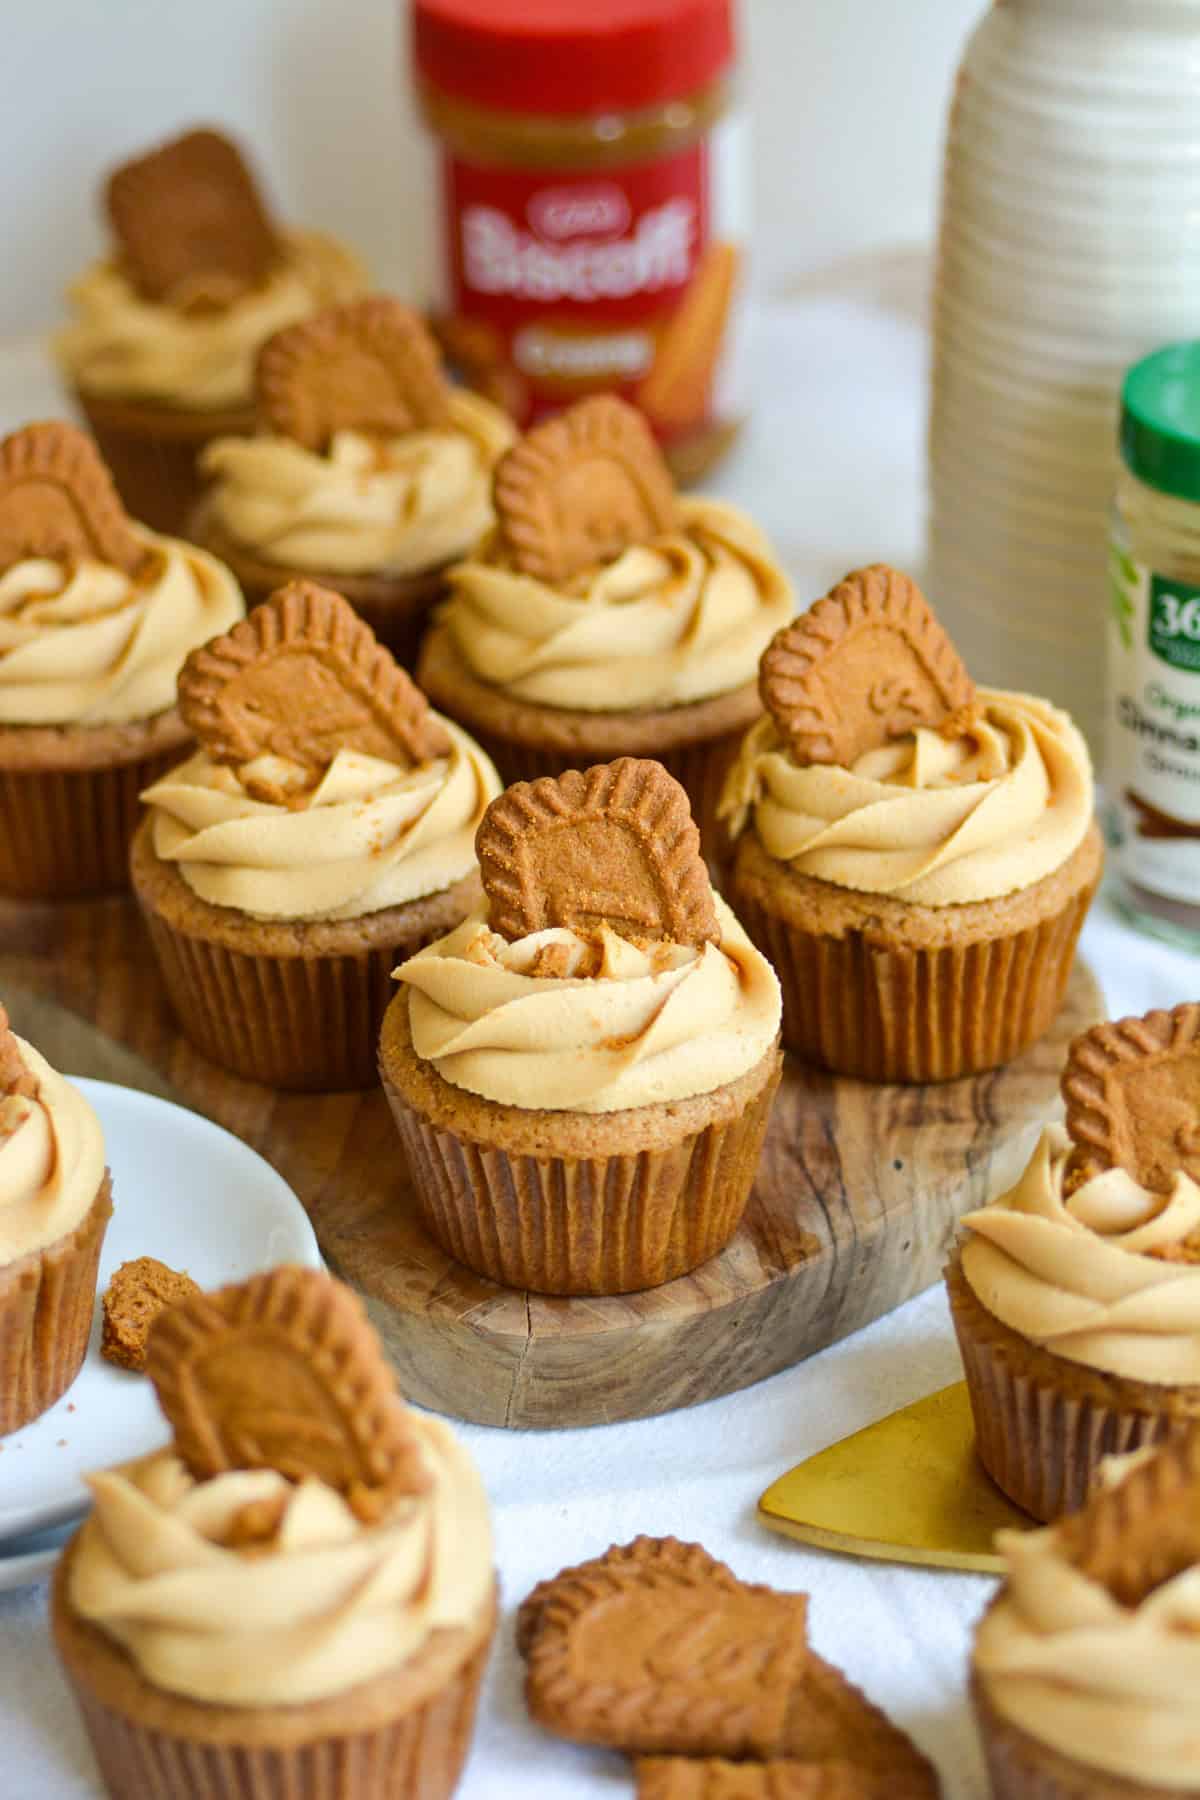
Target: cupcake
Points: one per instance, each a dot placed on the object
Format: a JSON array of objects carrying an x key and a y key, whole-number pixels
[
  {"x": 368, "y": 472},
  {"x": 1084, "y": 1667},
  {"x": 97, "y": 615},
  {"x": 581, "y": 1073},
  {"x": 55, "y": 1204},
  {"x": 296, "y": 1595},
  {"x": 160, "y": 354},
  {"x": 914, "y": 855},
  {"x": 606, "y": 616},
  {"x": 324, "y": 828},
  {"x": 1076, "y": 1296}
]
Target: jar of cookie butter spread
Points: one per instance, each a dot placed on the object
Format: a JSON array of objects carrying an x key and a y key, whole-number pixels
[
  {"x": 1153, "y": 739},
  {"x": 591, "y": 206}
]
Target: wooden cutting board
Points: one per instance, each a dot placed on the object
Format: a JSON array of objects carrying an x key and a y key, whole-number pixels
[{"x": 853, "y": 1210}]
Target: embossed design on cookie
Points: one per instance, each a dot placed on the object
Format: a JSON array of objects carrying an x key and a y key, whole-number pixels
[
  {"x": 301, "y": 678},
  {"x": 1145, "y": 1530},
  {"x": 865, "y": 665},
  {"x": 190, "y": 222},
  {"x": 582, "y": 488},
  {"x": 614, "y": 844},
  {"x": 1132, "y": 1094},
  {"x": 57, "y": 500},
  {"x": 15, "y": 1078},
  {"x": 370, "y": 365},
  {"x": 284, "y": 1372}
]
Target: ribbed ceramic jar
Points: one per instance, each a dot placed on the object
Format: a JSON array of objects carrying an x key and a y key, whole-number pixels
[{"x": 1069, "y": 247}]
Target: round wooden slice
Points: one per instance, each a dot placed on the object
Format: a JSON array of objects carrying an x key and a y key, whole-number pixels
[{"x": 853, "y": 1211}]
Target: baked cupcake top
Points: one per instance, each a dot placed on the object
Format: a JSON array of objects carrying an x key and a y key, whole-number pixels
[
  {"x": 881, "y": 768},
  {"x": 603, "y": 972},
  {"x": 324, "y": 786},
  {"x": 199, "y": 279},
  {"x": 1095, "y": 1253},
  {"x": 305, "y": 1531},
  {"x": 601, "y": 590},
  {"x": 97, "y": 614},
  {"x": 1093, "y": 1644},
  {"x": 51, "y": 1151},
  {"x": 366, "y": 461}
]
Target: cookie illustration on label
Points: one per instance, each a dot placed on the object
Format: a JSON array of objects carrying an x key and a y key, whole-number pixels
[
  {"x": 1132, "y": 1094},
  {"x": 57, "y": 500},
  {"x": 302, "y": 677},
  {"x": 614, "y": 844},
  {"x": 1145, "y": 1530},
  {"x": 862, "y": 667},
  {"x": 580, "y": 489},
  {"x": 284, "y": 1372},
  {"x": 15, "y": 1078},
  {"x": 370, "y": 365},
  {"x": 190, "y": 222},
  {"x": 677, "y": 391}
]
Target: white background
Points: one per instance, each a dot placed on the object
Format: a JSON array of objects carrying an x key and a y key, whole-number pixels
[{"x": 848, "y": 99}]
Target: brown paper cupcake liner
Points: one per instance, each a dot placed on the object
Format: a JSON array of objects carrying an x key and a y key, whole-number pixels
[
  {"x": 65, "y": 833},
  {"x": 862, "y": 1008},
  {"x": 584, "y": 1225},
  {"x": 1021, "y": 1768},
  {"x": 47, "y": 1301},
  {"x": 153, "y": 454},
  {"x": 1042, "y": 1439}
]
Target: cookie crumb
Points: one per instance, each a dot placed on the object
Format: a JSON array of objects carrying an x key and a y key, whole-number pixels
[{"x": 135, "y": 1296}]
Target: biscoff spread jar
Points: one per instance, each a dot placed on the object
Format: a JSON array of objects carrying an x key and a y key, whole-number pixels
[{"x": 591, "y": 206}]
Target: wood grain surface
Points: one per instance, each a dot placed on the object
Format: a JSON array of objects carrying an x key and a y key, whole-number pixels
[{"x": 852, "y": 1213}]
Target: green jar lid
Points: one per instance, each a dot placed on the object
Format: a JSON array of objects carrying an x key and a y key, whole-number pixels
[{"x": 1160, "y": 420}]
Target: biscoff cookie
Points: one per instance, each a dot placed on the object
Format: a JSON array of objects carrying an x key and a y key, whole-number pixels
[
  {"x": 137, "y": 1292},
  {"x": 370, "y": 366},
  {"x": 57, "y": 501},
  {"x": 783, "y": 1778},
  {"x": 1132, "y": 1093}
]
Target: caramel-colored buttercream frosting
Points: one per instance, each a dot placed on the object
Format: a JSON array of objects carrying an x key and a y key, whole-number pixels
[
  {"x": 1111, "y": 1686},
  {"x": 1089, "y": 1275},
  {"x": 325, "y": 1604},
  {"x": 94, "y": 646},
  {"x": 628, "y": 1025},
  {"x": 371, "y": 834},
  {"x": 393, "y": 505},
  {"x": 677, "y": 620},
  {"x": 51, "y": 1160},
  {"x": 936, "y": 820},
  {"x": 125, "y": 347}
]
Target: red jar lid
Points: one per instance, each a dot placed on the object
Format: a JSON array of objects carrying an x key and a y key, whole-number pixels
[{"x": 567, "y": 57}]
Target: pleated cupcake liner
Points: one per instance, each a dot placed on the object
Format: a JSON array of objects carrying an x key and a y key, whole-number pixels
[
  {"x": 574, "y": 1225},
  {"x": 1020, "y": 1768},
  {"x": 47, "y": 1300},
  {"x": 860, "y": 1008},
  {"x": 1040, "y": 1443},
  {"x": 154, "y": 461},
  {"x": 65, "y": 833}
]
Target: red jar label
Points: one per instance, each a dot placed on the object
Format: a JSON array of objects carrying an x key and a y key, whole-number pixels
[{"x": 561, "y": 285}]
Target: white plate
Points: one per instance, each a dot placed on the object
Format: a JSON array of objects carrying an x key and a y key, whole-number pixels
[
  {"x": 197, "y": 1198},
  {"x": 26, "y": 1560}
]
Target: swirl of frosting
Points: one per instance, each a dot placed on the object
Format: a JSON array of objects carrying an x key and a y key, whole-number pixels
[
  {"x": 936, "y": 820},
  {"x": 370, "y": 834},
  {"x": 1091, "y": 1275},
  {"x": 628, "y": 1025},
  {"x": 51, "y": 1161},
  {"x": 1111, "y": 1686},
  {"x": 398, "y": 506},
  {"x": 94, "y": 646},
  {"x": 681, "y": 619},
  {"x": 129, "y": 348},
  {"x": 328, "y": 1603}
]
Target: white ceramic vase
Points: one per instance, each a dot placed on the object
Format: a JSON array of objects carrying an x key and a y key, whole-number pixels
[{"x": 1069, "y": 247}]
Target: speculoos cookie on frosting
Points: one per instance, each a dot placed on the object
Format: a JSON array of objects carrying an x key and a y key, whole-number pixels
[
  {"x": 916, "y": 855},
  {"x": 607, "y": 616},
  {"x": 97, "y": 615},
  {"x": 368, "y": 471},
  {"x": 581, "y": 1073},
  {"x": 1076, "y": 1295},
  {"x": 324, "y": 828}
]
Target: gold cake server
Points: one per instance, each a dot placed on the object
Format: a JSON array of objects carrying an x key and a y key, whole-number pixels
[{"x": 909, "y": 1488}]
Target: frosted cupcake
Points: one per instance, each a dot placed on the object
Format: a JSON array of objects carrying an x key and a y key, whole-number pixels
[
  {"x": 97, "y": 615},
  {"x": 368, "y": 471},
  {"x": 607, "y": 616},
  {"x": 582, "y": 1073},
  {"x": 55, "y": 1204},
  {"x": 324, "y": 828},
  {"x": 296, "y": 1595},
  {"x": 161, "y": 352}
]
